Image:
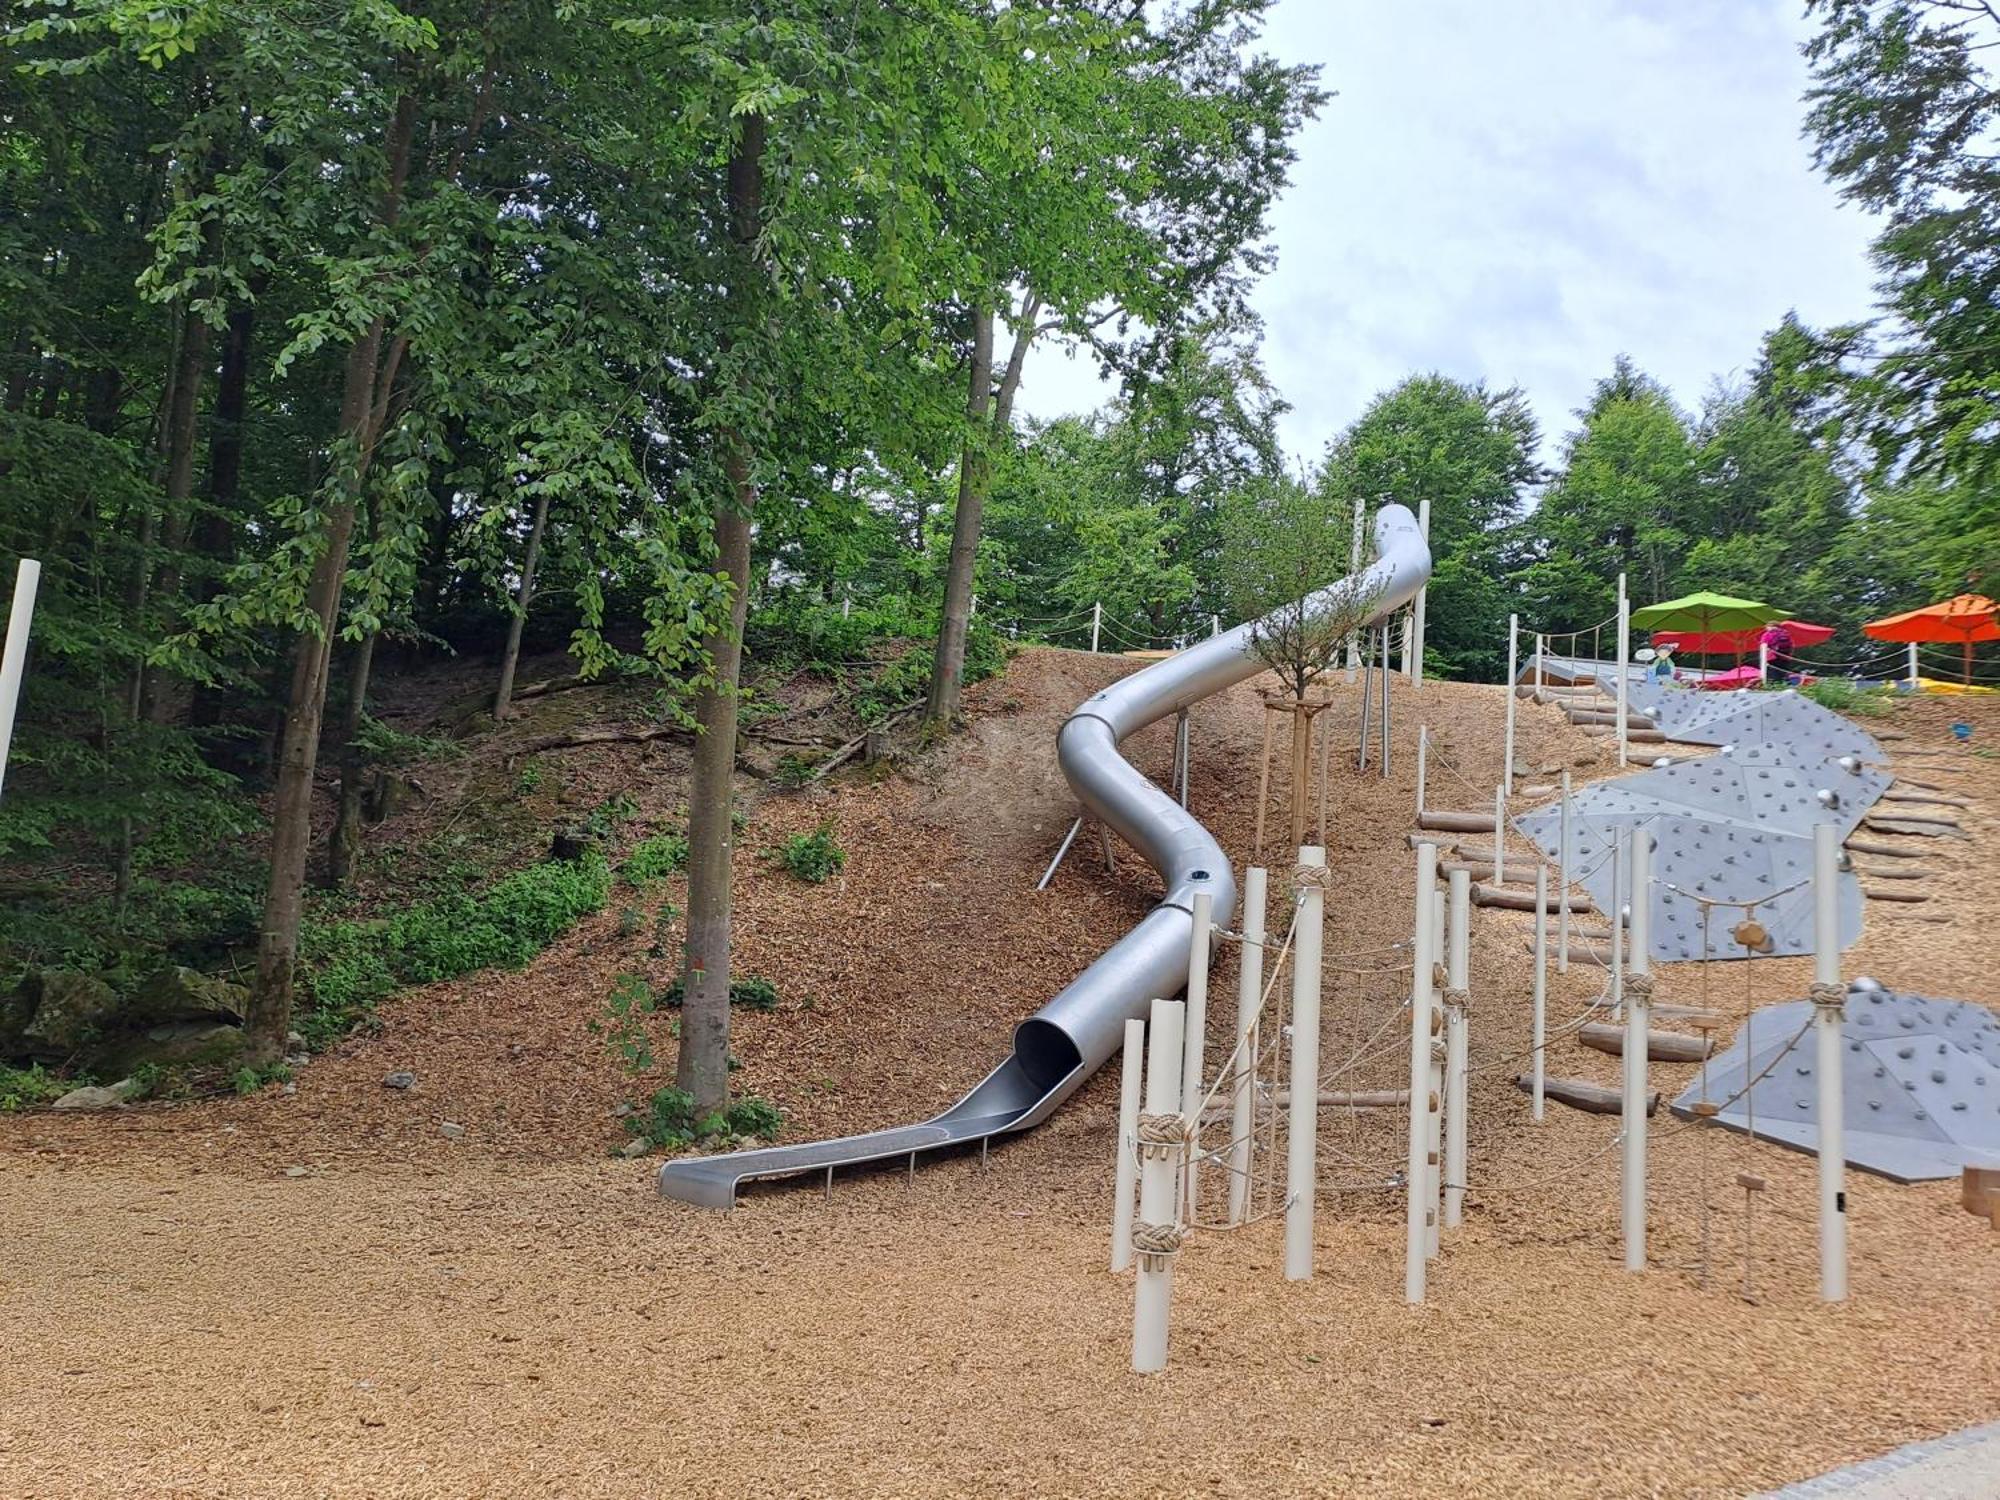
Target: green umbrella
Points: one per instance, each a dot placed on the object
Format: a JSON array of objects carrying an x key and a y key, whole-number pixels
[{"x": 1706, "y": 614}]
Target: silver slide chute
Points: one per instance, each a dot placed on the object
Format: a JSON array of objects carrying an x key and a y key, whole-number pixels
[{"x": 1072, "y": 1036}]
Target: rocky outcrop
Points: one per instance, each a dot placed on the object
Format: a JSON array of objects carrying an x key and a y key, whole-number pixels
[
  {"x": 176, "y": 1018},
  {"x": 65, "y": 1011}
]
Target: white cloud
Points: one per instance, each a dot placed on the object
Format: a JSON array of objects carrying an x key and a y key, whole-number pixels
[{"x": 1520, "y": 192}]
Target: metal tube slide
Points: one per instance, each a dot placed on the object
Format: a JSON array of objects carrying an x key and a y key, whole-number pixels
[{"x": 1073, "y": 1035}]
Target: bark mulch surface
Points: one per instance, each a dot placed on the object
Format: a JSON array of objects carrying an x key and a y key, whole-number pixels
[{"x": 325, "y": 1294}]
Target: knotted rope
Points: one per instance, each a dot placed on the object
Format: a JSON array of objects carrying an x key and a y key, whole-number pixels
[
  {"x": 1638, "y": 987},
  {"x": 1439, "y": 978},
  {"x": 1461, "y": 998},
  {"x": 1163, "y": 1132},
  {"x": 1833, "y": 996},
  {"x": 1157, "y": 1239},
  {"x": 1317, "y": 876}
]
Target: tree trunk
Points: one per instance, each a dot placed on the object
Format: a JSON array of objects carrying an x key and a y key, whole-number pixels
[
  {"x": 1301, "y": 770},
  {"x": 510, "y": 658},
  {"x": 948, "y": 662},
  {"x": 269, "y": 1012},
  {"x": 178, "y": 457},
  {"x": 343, "y": 850},
  {"x": 702, "y": 1068}
]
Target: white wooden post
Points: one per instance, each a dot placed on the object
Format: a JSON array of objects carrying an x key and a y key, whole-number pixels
[
  {"x": 1214, "y": 626},
  {"x": 1127, "y": 1175},
  {"x": 1415, "y": 664},
  {"x": 1541, "y": 651},
  {"x": 1624, "y": 655},
  {"x": 1638, "y": 1014},
  {"x": 1513, "y": 670},
  {"x": 1249, "y": 998},
  {"x": 1829, "y": 1011},
  {"x": 1763, "y": 661},
  {"x": 1096, "y": 623},
  {"x": 1157, "y": 1178},
  {"x": 1913, "y": 666},
  {"x": 1423, "y": 953},
  {"x": 1540, "y": 1027},
  {"x": 1302, "y": 1136},
  {"x": 1620, "y": 853},
  {"x": 1194, "y": 1044},
  {"x": 1456, "y": 1047},
  {"x": 1434, "y": 1144},
  {"x": 1423, "y": 763},
  {"x": 14, "y": 657},
  {"x": 1562, "y": 881},
  {"x": 1500, "y": 835}
]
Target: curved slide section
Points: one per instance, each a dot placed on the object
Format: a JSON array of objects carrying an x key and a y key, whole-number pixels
[{"x": 1072, "y": 1036}]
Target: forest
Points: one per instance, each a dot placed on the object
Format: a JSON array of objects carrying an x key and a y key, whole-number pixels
[{"x": 339, "y": 340}]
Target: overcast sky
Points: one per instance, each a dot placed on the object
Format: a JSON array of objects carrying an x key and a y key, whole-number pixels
[{"x": 1520, "y": 191}]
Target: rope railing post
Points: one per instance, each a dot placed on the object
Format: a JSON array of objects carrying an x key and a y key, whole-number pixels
[
  {"x": 1562, "y": 881},
  {"x": 1829, "y": 998},
  {"x": 1130, "y": 1078},
  {"x": 1096, "y": 624},
  {"x": 1457, "y": 1046},
  {"x": 1423, "y": 953},
  {"x": 1541, "y": 650},
  {"x": 1617, "y": 915},
  {"x": 1302, "y": 1136},
  {"x": 1423, "y": 763},
  {"x": 1157, "y": 1235},
  {"x": 1194, "y": 1042},
  {"x": 1914, "y": 674},
  {"x": 1638, "y": 997},
  {"x": 1513, "y": 670},
  {"x": 1500, "y": 834},
  {"x": 1539, "y": 1033},
  {"x": 1624, "y": 655},
  {"x": 1249, "y": 1003}
]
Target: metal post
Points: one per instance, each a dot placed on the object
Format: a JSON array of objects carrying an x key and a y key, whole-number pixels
[
  {"x": 1061, "y": 853},
  {"x": 14, "y": 657},
  {"x": 1416, "y": 1172},
  {"x": 1096, "y": 623},
  {"x": 1457, "y": 1041},
  {"x": 1541, "y": 650},
  {"x": 1913, "y": 666},
  {"x": 1302, "y": 1136},
  {"x": 1540, "y": 1031},
  {"x": 1500, "y": 834},
  {"x": 1157, "y": 1177},
  {"x": 1194, "y": 1044},
  {"x": 1562, "y": 882},
  {"x": 1618, "y": 857},
  {"x": 1637, "y": 1043},
  {"x": 1513, "y": 671},
  {"x": 1367, "y": 697},
  {"x": 1624, "y": 655},
  {"x": 1249, "y": 999},
  {"x": 1127, "y": 1175},
  {"x": 1423, "y": 763},
  {"x": 1763, "y": 661},
  {"x": 1353, "y": 567},
  {"x": 1385, "y": 705},
  {"x": 1829, "y": 1011},
  {"x": 1434, "y": 1134}
]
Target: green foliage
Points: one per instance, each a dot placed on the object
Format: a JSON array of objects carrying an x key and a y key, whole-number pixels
[
  {"x": 751, "y": 992},
  {"x": 249, "y": 1080},
  {"x": 1842, "y": 696},
  {"x": 814, "y": 857},
  {"x": 352, "y": 965},
  {"x": 610, "y": 814},
  {"x": 528, "y": 779},
  {"x": 24, "y": 1088},
  {"x": 655, "y": 858},
  {"x": 668, "y": 1121},
  {"x": 626, "y": 1011}
]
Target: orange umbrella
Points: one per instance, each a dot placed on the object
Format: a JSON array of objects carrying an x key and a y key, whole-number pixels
[{"x": 1968, "y": 618}]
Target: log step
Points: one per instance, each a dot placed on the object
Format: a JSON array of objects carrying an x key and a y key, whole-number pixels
[
  {"x": 1661, "y": 1046},
  {"x": 1690, "y": 1015},
  {"x": 1883, "y": 872},
  {"x": 1511, "y": 900},
  {"x": 1911, "y": 896},
  {"x": 1936, "y": 799},
  {"x": 1886, "y": 851},
  {"x": 1578, "y": 1093},
  {"x": 1910, "y": 827},
  {"x": 1636, "y": 736},
  {"x": 1455, "y": 822}
]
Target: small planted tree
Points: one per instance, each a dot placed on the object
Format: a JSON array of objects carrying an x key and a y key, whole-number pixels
[{"x": 1284, "y": 546}]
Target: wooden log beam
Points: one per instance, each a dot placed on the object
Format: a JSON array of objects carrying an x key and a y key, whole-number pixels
[
  {"x": 1508, "y": 900},
  {"x": 1910, "y": 896},
  {"x": 1884, "y": 851},
  {"x": 1661, "y": 1046},
  {"x": 1578, "y": 1093},
  {"x": 1455, "y": 822}
]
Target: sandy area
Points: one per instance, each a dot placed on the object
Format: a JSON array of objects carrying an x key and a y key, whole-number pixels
[{"x": 512, "y": 1313}]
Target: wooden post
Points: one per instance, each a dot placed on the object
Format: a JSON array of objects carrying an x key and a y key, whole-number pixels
[{"x": 1263, "y": 784}]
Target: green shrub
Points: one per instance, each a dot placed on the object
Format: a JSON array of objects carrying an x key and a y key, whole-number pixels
[
  {"x": 751, "y": 992},
  {"x": 249, "y": 1080},
  {"x": 752, "y": 1116},
  {"x": 794, "y": 771},
  {"x": 668, "y": 1121},
  {"x": 24, "y": 1088},
  {"x": 655, "y": 858},
  {"x": 813, "y": 857},
  {"x": 623, "y": 1028},
  {"x": 1847, "y": 697},
  {"x": 528, "y": 780}
]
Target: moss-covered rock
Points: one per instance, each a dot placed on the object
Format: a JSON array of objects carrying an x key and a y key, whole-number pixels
[
  {"x": 172, "y": 1044},
  {"x": 70, "y": 1011},
  {"x": 186, "y": 995}
]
